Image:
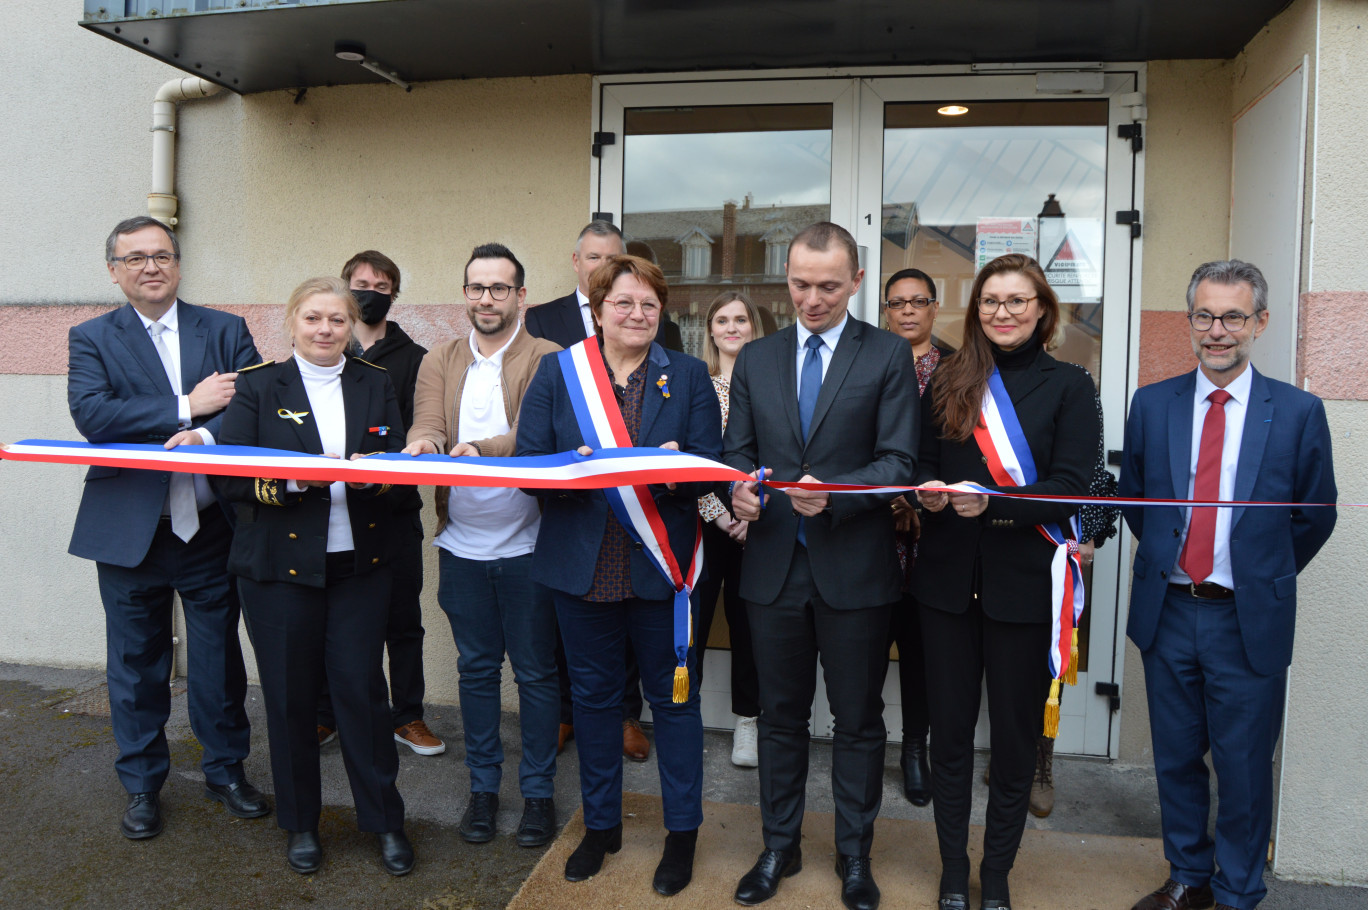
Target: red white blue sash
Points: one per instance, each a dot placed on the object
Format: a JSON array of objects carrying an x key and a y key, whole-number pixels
[
  {"x": 600, "y": 422},
  {"x": 1000, "y": 438}
]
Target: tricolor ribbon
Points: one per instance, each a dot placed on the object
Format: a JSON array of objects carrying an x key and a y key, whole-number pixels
[
  {"x": 600, "y": 422},
  {"x": 1003, "y": 443}
]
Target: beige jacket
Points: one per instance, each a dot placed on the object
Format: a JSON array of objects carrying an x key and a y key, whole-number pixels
[{"x": 437, "y": 398}]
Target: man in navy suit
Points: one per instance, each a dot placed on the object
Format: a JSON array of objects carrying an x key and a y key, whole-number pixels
[
  {"x": 160, "y": 370},
  {"x": 1214, "y": 595}
]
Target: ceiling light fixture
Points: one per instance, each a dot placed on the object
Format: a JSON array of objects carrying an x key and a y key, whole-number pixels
[
  {"x": 355, "y": 52},
  {"x": 952, "y": 110}
]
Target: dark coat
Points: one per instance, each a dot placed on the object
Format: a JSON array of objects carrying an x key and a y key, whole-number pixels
[
  {"x": 283, "y": 536},
  {"x": 573, "y": 522},
  {"x": 1000, "y": 553}
]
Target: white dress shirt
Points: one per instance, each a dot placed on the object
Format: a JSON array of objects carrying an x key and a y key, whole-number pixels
[
  {"x": 585, "y": 313},
  {"x": 1235, "y": 409},
  {"x": 487, "y": 523},
  {"x": 171, "y": 338},
  {"x": 829, "y": 339}
]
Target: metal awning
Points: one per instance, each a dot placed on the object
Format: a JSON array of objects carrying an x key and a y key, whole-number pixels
[{"x": 259, "y": 45}]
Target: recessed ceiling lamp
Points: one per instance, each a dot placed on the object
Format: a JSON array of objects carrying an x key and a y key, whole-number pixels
[{"x": 952, "y": 110}]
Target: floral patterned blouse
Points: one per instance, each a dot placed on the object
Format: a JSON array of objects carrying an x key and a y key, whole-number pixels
[{"x": 710, "y": 507}]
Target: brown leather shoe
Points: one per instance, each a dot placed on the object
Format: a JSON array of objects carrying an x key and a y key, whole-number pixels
[
  {"x": 635, "y": 745},
  {"x": 567, "y": 733},
  {"x": 1173, "y": 896},
  {"x": 419, "y": 738},
  {"x": 326, "y": 735}
]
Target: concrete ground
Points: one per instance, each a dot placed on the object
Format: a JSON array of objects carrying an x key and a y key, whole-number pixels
[{"x": 63, "y": 801}]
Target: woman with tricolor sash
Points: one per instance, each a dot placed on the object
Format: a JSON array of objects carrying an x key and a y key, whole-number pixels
[
  {"x": 1006, "y": 590},
  {"x": 622, "y": 562}
]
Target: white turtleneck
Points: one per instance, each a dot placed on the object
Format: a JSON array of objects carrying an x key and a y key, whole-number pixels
[{"x": 324, "y": 387}]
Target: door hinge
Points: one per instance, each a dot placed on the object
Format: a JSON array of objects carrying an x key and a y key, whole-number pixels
[
  {"x": 1112, "y": 692},
  {"x": 600, "y": 140},
  {"x": 1131, "y": 217},
  {"x": 1135, "y": 132}
]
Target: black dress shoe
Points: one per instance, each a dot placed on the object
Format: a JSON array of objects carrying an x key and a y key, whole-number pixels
[
  {"x": 676, "y": 864},
  {"x": 303, "y": 851},
  {"x": 396, "y": 852},
  {"x": 994, "y": 904},
  {"x": 240, "y": 798},
  {"x": 762, "y": 881},
  {"x": 1174, "y": 895},
  {"x": 587, "y": 859},
  {"x": 858, "y": 891},
  {"x": 916, "y": 772},
  {"x": 538, "y": 823},
  {"x": 142, "y": 818},
  {"x": 952, "y": 901},
  {"x": 477, "y": 824}
]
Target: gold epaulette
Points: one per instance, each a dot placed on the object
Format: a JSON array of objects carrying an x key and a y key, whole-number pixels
[
  {"x": 256, "y": 366},
  {"x": 369, "y": 364}
]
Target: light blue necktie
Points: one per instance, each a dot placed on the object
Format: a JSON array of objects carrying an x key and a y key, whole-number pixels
[{"x": 809, "y": 386}]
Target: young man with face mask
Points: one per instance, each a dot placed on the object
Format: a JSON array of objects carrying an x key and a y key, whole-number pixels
[{"x": 374, "y": 281}]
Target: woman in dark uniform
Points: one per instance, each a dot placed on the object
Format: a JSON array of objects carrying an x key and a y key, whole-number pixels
[
  {"x": 986, "y": 610},
  {"x": 310, "y": 564}
]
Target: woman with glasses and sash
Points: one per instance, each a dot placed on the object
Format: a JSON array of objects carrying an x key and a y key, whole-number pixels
[
  {"x": 1007, "y": 416},
  {"x": 612, "y": 575}
]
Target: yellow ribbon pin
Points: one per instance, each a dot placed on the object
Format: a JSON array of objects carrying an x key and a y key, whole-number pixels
[{"x": 293, "y": 415}]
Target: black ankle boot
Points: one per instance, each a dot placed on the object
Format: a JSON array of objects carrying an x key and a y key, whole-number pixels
[
  {"x": 916, "y": 770},
  {"x": 587, "y": 859},
  {"x": 676, "y": 864}
]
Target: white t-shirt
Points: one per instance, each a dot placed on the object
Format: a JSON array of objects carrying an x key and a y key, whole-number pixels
[
  {"x": 487, "y": 523},
  {"x": 324, "y": 388}
]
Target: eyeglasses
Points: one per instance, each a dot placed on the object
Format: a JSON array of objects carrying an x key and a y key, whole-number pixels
[
  {"x": 1233, "y": 321},
  {"x": 625, "y": 305},
  {"x": 918, "y": 303},
  {"x": 496, "y": 291},
  {"x": 137, "y": 261},
  {"x": 1016, "y": 306}
]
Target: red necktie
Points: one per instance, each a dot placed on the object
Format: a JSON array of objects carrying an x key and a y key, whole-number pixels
[{"x": 1198, "y": 551}]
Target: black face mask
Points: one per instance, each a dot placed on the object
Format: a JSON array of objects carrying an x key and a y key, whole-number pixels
[{"x": 375, "y": 306}]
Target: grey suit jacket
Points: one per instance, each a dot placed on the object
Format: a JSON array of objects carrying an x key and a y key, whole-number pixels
[{"x": 864, "y": 431}]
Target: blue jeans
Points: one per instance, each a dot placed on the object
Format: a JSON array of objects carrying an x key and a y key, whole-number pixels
[
  {"x": 595, "y": 637},
  {"x": 494, "y": 606}
]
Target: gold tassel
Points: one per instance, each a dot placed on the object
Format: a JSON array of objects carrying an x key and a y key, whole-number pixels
[
  {"x": 681, "y": 685},
  {"x": 1051, "y": 709},
  {"x": 1071, "y": 676}
]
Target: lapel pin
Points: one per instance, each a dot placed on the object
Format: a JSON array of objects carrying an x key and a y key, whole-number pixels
[
  {"x": 663, "y": 383},
  {"x": 293, "y": 415},
  {"x": 380, "y": 431}
]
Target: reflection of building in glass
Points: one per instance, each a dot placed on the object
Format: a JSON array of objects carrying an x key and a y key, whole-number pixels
[{"x": 706, "y": 251}]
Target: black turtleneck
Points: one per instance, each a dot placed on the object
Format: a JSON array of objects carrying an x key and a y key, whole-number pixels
[{"x": 1012, "y": 363}]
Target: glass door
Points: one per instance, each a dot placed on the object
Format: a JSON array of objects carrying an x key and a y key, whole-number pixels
[{"x": 710, "y": 179}]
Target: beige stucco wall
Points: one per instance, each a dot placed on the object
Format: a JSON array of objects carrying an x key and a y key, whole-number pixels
[{"x": 1322, "y": 826}]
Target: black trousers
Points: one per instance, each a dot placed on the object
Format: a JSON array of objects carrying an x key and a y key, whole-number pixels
[
  {"x": 404, "y": 630},
  {"x": 722, "y": 556},
  {"x": 790, "y": 636},
  {"x": 906, "y": 632},
  {"x": 303, "y": 635},
  {"x": 962, "y": 649}
]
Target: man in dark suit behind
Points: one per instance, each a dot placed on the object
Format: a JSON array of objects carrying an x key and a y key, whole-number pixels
[
  {"x": 831, "y": 399},
  {"x": 1214, "y": 595},
  {"x": 161, "y": 370}
]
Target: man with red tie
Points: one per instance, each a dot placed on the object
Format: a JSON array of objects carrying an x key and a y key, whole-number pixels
[{"x": 1213, "y": 600}]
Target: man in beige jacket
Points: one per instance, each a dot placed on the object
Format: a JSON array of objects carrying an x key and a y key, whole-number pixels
[{"x": 466, "y": 404}]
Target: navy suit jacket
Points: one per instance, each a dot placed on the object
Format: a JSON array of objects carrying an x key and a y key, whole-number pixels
[
  {"x": 557, "y": 321},
  {"x": 1284, "y": 457},
  {"x": 864, "y": 430},
  {"x": 573, "y": 521},
  {"x": 118, "y": 392}
]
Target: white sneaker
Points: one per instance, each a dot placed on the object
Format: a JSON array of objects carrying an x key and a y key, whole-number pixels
[{"x": 745, "y": 752}]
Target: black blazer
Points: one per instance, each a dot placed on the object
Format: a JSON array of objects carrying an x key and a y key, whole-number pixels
[
  {"x": 283, "y": 536},
  {"x": 864, "y": 430},
  {"x": 557, "y": 321},
  {"x": 1055, "y": 404}
]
